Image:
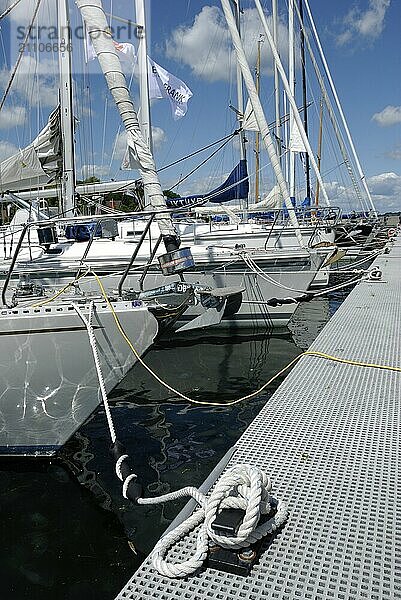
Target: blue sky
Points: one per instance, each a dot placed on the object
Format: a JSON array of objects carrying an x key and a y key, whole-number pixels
[{"x": 362, "y": 43}]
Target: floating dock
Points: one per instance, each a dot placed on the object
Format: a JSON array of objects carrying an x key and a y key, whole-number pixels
[{"x": 330, "y": 439}]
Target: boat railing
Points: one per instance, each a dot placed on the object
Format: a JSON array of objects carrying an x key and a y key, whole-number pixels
[{"x": 96, "y": 222}]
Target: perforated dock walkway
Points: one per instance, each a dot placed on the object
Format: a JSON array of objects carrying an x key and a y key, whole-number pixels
[{"x": 330, "y": 440}]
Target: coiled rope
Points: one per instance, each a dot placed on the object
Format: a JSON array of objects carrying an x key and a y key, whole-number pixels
[{"x": 243, "y": 486}]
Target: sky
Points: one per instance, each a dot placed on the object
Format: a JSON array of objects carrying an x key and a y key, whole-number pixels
[{"x": 189, "y": 38}]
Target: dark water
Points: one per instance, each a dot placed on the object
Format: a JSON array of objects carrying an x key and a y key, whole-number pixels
[{"x": 66, "y": 532}]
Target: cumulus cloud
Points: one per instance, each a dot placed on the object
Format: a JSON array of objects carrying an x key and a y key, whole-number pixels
[
  {"x": 12, "y": 117},
  {"x": 36, "y": 81},
  {"x": 37, "y": 76},
  {"x": 94, "y": 171},
  {"x": 367, "y": 24},
  {"x": 391, "y": 115},
  {"x": 7, "y": 149},
  {"x": 385, "y": 189},
  {"x": 205, "y": 46},
  {"x": 158, "y": 136}
]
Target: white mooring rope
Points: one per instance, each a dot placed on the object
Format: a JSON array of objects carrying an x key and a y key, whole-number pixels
[{"x": 244, "y": 487}]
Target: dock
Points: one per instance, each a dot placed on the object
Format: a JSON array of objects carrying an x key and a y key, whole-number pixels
[{"x": 330, "y": 439}]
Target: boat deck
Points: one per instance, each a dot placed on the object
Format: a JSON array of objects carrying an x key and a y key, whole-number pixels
[{"x": 330, "y": 440}]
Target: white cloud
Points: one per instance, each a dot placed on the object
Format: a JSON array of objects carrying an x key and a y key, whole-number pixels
[
  {"x": 394, "y": 154},
  {"x": 202, "y": 186},
  {"x": 94, "y": 171},
  {"x": 158, "y": 136},
  {"x": 391, "y": 115},
  {"x": 206, "y": 46},
  {"x": 368, "y": 23},
  {"x": 12, "y": 117},
  {"x": 35, "y": 82},
  {"x": 7, "y": 149},
  {"x": 385, "y": 189}
]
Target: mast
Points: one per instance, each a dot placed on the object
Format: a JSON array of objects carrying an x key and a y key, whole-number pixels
[
  {"x": 257, "y": 134},
  {"x": 291, "y": 81},
  {"x": 319, "y": 149},
  {"x": 304, "y": 96},
  {"x": 95, "y": 20},
  {"x": 277, "y": 128},
  {"x": 144, "y": 113},
  {"x": 259, "y": 116},
  {"x": 68, "y": 203},
  {"x": 240, "y": 90},
  {"x": 340, "y": 110},
  {"x": 290, "y": 97}
]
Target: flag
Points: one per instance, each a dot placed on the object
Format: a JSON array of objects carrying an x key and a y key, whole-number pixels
[
  {"x": 163, "y": 84},
  {"x": 126, "y": 52}
]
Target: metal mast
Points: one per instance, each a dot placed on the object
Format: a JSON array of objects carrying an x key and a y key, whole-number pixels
[
  {"x": 257, "y": 134},
  {"x": 304, "y": 96},
  {"x": 240, "y": 90},
  {"x": 340, "y": 110},
  {"x": 144, "y": 113},
  {"x": 68, "y": 203},
  {"x": 277, "y": 128}
]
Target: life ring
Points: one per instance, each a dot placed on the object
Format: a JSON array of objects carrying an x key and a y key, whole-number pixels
[{"x": 391, "y": 232}]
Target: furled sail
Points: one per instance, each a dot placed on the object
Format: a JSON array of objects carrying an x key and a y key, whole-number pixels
[
  {"x": 273, "y": 200},
  {"x": 235, "y": 187},
  {"x": 96, "y": 23},
  {"x": 38, "y": 163}
]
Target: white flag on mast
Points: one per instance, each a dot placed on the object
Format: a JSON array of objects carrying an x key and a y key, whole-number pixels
[
  {"x": 163, "y": 84},
  {"x": 126, "y": 52}
]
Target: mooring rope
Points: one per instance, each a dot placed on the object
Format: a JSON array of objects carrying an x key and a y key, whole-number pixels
[
  {"x": 251, "y": 263},
  {"x": 244, "y": 487}
]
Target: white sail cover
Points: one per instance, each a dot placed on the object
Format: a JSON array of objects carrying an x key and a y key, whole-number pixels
[
  {"x": 273, "y": 200},
  {"x": 296, "y": 143},
  {"x": 96, "y": 23},
  {"x": 38, "y": 163},
  {"x": 249, "y": 122}
]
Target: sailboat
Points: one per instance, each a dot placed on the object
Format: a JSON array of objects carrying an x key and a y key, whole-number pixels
[
  {"x": 49, "y": 376},
  {"x": 266, "y": 275}
]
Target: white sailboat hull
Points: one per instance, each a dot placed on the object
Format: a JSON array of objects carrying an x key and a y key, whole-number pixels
[
  {"x": 48, "y": 381},
  {"x": 285, "y": 273}
]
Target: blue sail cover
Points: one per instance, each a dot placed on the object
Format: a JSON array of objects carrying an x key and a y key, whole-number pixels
[{"x": 235, "y": 187}]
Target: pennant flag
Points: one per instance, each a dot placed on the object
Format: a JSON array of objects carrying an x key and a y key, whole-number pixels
[{"x": 163, "y": 84}]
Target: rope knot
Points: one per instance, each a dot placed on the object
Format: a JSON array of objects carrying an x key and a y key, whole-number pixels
[{"x": 244, "y": 487}]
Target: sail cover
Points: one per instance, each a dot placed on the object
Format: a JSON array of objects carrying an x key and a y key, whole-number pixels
[
  {"x": 38, "y": 163},
  {"x": 99, "y": 32},
  {"x": 235, "y": 187},
  {"x": 273, "y": 200}
]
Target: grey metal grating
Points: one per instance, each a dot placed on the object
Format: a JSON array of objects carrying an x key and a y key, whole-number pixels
[{"x": 329, "y": 438}]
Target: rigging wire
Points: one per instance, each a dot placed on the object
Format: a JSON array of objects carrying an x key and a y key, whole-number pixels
[
  {"x": 201, "y": 164},
  {"x": 9, "y": 9},
  {"x": 20, "y": 56}
]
